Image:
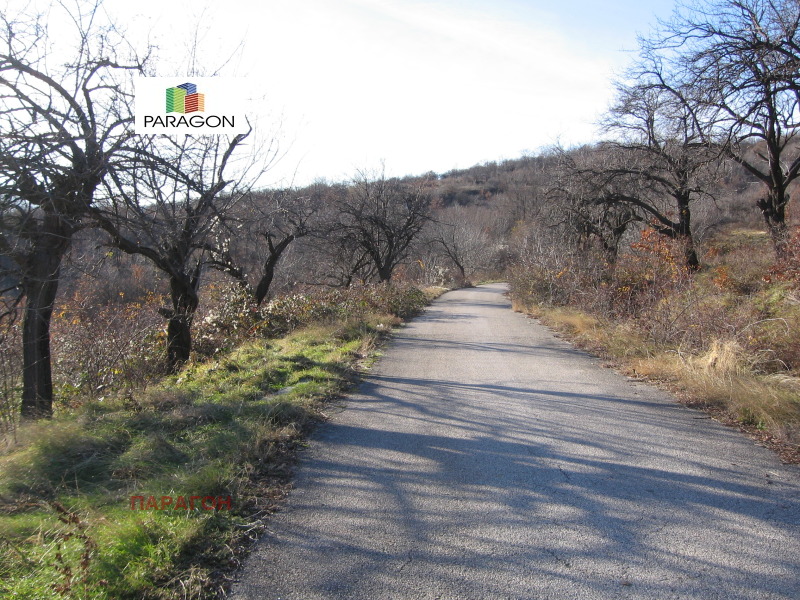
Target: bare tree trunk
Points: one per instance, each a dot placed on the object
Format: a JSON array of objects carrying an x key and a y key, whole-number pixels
[
  {"x": 611, "y": 250},
  {"x": 685, "y": 234},
  {"x": 65, "y": 121},
  {"x": 773, "y": 208},
  {"x": 40, "y": 286},
  {"x": 461, "y": 271},
  {"x": 268, "y": 275},
  {"x": 385, "y": 273},
  {"x": 179, "y": 324}
]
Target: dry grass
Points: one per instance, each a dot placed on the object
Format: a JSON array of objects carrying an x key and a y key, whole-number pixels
[
  {"x": 725, "y": 378},
  {"x": 726, "y": 338},
  {"x": 617, "y": 341}
]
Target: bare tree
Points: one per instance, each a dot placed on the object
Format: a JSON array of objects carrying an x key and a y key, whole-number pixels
[
  {"x": 264, "y": 227},
  {"x": 63, "y": 127},
  {"x": 664, "y": 144},
  {"x": 589, "y": 205},
  {"x": 341, "y": 263},
  {"x": 460, "y": 233},
  {"x": 527, "y": 187},
  {"x": 379, "y": 218},
  {"x": 742, "y": 57},
  {"x": 169, "y": 203}
]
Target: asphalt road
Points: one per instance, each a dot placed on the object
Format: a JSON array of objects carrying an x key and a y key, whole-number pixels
[{"x": 486, "y": 458}]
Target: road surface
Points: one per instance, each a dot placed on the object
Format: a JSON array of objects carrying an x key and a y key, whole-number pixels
[{"x": 486, "y": 458}]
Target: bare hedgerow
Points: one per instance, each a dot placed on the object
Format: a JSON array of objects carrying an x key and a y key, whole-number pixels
[
  {"x": 99, "y": 349},
  {"x": 233, "y": 316}
]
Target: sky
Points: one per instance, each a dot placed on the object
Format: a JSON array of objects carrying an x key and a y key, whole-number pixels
[{"x": 349, "y": 85}]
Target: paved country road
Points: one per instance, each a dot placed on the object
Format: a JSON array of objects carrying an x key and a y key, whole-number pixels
[{"x": 485, "y": 458}]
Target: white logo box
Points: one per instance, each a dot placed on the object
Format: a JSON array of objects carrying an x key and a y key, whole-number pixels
[{"x": 225, "y": 106}]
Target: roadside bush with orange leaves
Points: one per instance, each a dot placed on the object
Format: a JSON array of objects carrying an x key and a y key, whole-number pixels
[
  {"x": 736, "y": 296},
  {"x": 643, "y": 277},
  {"x": 787, "y": 269},
  {"x": 635, "y": 284},
  {"x": 762, "y": 296}
]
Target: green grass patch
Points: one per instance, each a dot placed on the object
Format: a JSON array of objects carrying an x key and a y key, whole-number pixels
[{"x": 223, "y": 428}]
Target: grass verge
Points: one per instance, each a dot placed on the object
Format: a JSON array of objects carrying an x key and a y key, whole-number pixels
[
  {"x": 91, "y": 502},
  {"x": 722, "y": 379}
]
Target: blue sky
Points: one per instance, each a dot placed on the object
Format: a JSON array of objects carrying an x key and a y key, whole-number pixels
[{"x": 436, "y": 85}]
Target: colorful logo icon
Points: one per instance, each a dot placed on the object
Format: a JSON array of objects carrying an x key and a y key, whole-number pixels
[{"x": 184, "y": 98}]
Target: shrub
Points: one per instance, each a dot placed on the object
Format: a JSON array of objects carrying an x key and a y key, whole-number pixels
[
  {"x": 788, "y": 268},
  {"x": 98, "y": 349}
]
